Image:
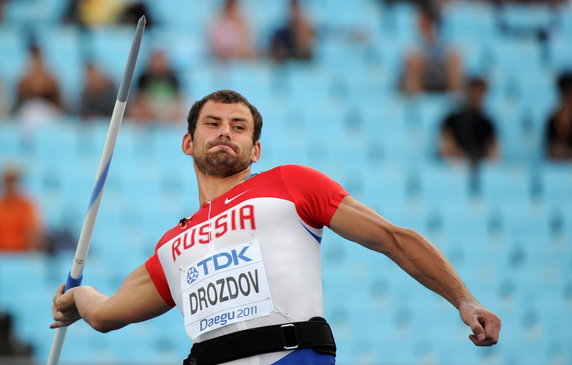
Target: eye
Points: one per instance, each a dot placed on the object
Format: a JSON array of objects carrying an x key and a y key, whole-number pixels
[{"x": 238, "y": 127}]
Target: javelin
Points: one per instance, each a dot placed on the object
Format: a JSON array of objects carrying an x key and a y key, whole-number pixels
[{"x": 75, "y": 275}]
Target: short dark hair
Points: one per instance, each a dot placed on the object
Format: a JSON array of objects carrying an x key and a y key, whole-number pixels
[
  {"x": 226, "y": 97},
  {"x": 476, "y": 81},
  {"x": 564, "y": 83}
]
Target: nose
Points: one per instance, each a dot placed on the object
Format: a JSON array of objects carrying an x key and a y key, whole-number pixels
[{"x": 224, "y": 130}]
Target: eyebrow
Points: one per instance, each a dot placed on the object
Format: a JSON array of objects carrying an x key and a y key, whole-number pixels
[{"x": 235, "y": 119}]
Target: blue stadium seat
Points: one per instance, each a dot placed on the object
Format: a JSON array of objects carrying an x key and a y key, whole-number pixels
[
  {"x": 399, "y": 22},
  {"x": 511, "y": 244},
  {"x": 470, "y": 27},
  {"x": 183, "y": 16},
  {"x": 33, "y": 12},
  {"x": 55, "y": 143},
  {"x": 556, "y": 179},
  {"x": 515, "y": 142},
  {"x": 527, "y": 16},
  {"x": 185, "y": 48},
  {"x": 502, "y": 185},
  {"x": 470, "y": 21},
  {"x": 12, "y": 141},
  {"x": 109, "y": 48},
  {"x": 13, "y": 66},
  {"x": 515, "y": 55},
  {"x": 445, "y": 186}
]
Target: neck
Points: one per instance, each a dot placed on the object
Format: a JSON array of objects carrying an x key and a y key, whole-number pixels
[{"x": 211, "y": 187}]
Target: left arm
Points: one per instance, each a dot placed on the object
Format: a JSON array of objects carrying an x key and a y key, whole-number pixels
[
  {"x": 136, "y": 300},
  {"x": 420, "y": 259}
]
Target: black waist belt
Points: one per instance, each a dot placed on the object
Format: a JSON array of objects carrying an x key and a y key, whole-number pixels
[{"x": 315, "y": 333}]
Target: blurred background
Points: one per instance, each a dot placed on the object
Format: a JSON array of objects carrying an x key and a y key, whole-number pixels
[{"x": 453, "y": 118}]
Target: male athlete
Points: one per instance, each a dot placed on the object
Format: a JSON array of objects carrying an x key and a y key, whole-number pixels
[{"x": 244, "y": 270}]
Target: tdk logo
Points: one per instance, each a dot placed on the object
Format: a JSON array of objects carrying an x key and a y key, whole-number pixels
[
  {"x": 217, "y": 262},
  {"x": 192, "y": 275}
]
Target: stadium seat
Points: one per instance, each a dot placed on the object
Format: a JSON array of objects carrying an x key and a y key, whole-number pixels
[
  {"x": 109, "y": 48},
  {"x": 11, "y": 68},
  {"x": 33, "y": 12},
  {"x": 555, "y": 180},
  {"x": 341, "y": 114},
  {"x": 527, "y": 16},
  {"x": 504, "y": 185},
  {"x": 12, "y": 142}
]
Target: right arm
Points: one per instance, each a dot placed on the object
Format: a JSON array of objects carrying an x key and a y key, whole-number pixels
[
  {"x": 136, "y": 300},
  {"x": 420, "y": 259}
]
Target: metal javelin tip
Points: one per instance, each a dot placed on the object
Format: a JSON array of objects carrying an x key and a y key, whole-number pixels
[{"x": 131, "y": 61}]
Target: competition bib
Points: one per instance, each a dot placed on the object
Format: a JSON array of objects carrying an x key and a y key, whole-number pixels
[{"x": 225, "y": 287}]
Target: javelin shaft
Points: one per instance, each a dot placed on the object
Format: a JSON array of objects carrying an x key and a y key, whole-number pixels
[{"x": 75, "y": 275}]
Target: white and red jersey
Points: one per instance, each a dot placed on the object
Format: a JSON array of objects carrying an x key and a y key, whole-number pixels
[{"x": 250, "y": 257}]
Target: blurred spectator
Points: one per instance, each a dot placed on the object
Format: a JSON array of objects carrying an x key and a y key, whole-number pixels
[
  {"x": 469, "y": 133},
  {"x": 558, "y": 134},
  {"x": 10, "y": 345},
  {"x": 20, "y": 226},
  {"x": 295, "y": 39},
  {"x": 38, "y": 99},
  {"x": 94, "y": 13},
  {"x": 98, "y": 95},
  {"x": 229, "y": 33},
  {"x": 158, "y": 94},
  {"x": 2, "y": 9},
  {"x": 3, "y": 102},
  {"x": 134, "y": 11},
  {"x": 434, "y": 66},
  {"x": 97, "y": 13}
]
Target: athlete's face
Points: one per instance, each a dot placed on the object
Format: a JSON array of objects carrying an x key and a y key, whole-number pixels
[{"x": 222, "y": 143}]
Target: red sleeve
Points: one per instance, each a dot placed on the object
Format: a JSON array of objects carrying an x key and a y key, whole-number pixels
[
  {"x": 155, "y": 270},
  {"x": 316, "y": 196}
]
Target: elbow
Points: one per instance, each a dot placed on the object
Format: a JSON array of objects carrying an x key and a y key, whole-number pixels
[
  {"x": 101, "y": 324},
  {"x": 101, "y": 327},
  {"x": 104, "y": 327}
]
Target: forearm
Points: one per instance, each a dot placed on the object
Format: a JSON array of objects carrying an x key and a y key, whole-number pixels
[{"x": 426, "y": 264}]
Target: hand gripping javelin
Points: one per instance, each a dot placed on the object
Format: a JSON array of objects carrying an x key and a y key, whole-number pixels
[{"x": 75, "y": 276}]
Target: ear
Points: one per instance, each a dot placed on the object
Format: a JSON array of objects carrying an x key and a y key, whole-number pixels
[
  {"x": 255, "y": 152},
  {"x": 187, "y": 145}
]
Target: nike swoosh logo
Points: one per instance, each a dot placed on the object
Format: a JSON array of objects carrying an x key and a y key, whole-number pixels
[{"x": 228, "y": 200}]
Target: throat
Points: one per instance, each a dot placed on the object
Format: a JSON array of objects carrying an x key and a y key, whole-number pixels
[{"x": 211, "y": 187}]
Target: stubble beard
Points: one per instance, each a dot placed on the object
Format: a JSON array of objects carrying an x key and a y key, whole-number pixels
[{"x": 221, "y": 164}]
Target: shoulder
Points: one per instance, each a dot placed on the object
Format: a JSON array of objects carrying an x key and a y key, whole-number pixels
[
  {"x": 296, "y": 169},
  {"x": 304, "y": 179},
  {"x": 450, "y": 118},
  {"x": 170, "y": 234},
  {"x": 298, "y": 174},
  {"x": 296, "y": 179},
  {"x": 486, "y": 120}
]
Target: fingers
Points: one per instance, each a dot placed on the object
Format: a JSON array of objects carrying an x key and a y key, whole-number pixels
[
  {"x": 63, "y": 312},
  {"x": 59, "y": 293},
  {"x": 59, "y": 324},
  {"x": 62, "y": 319},
  {"x": 478, "y": 331},
  {"x": 486, "y": 332},
  {"x": 485, "y": 342},
  {"x": 59, "y": 318},
  {"x": 484, "y": 324}
]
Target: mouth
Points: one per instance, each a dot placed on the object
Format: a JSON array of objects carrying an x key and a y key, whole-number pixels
[{"x": 223, "y": 146}]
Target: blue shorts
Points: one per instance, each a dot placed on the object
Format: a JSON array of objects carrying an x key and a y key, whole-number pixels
[{"x": 306, "y": 357}]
